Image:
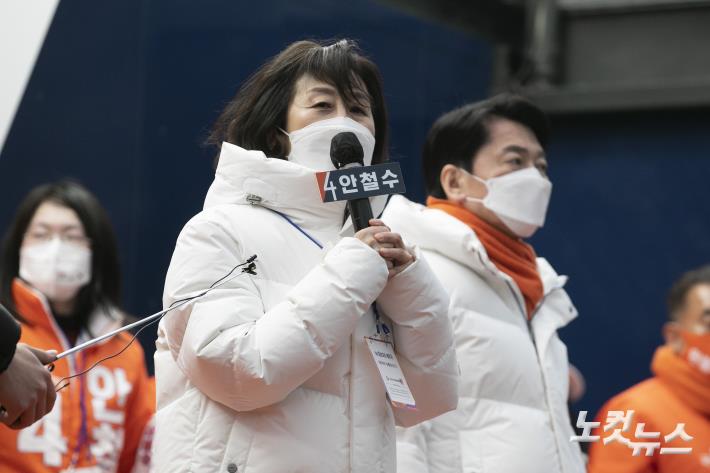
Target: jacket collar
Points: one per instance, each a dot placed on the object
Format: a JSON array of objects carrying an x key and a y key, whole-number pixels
[
  {"x": 34, "y": 308},
  {"x": 249, "y": 177},
  {"x": 436, "y": 231}
]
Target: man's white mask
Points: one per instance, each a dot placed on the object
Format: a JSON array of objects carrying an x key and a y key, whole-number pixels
[{"x": 520, "y": 199}]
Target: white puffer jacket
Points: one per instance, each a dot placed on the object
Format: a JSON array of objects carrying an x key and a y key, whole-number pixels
[
  {"x": 271, "y": 373},
  {"x": 512, "y": 415}
]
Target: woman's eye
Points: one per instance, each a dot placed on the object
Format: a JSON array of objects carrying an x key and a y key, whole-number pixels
[
  {"x": 517, "y": 161},
  {"x": 324, "y": 105},
  {"x": 38, "y": 233}
]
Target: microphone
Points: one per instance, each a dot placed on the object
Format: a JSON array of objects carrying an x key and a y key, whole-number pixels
[
  {"x": 346, "y": 153},
  {"x": 355, "y": 183}
]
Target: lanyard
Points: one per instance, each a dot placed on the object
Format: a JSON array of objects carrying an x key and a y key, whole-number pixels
[
  {"x": 295, "y": 225},
  {"x": 382, "y": 328}
]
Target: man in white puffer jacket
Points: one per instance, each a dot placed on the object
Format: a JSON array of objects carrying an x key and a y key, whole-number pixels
[
  {"x": 271, "y": 373},
  {"x": 486, "y": 178}
]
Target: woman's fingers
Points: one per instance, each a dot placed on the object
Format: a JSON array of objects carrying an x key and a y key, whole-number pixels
[
  {"x": 389, "y": 240},
  {"x": 367, "y": 235},
  {"x": 401, "y": 258},
  {"x": 376, "y": 222},
  {"x": 389, "y": 245}
]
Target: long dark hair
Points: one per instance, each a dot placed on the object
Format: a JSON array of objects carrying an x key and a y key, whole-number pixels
[
  {"x": 253, "y": 118},
  {"x": 104, "y": 289}
]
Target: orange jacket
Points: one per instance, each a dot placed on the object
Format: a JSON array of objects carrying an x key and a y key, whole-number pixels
[
  {"x": 99, "y": 418},
  {"x": 657, "y": 403}
]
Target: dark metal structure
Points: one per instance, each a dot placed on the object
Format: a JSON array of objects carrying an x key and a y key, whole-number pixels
[{"x": 576, "y": 56}]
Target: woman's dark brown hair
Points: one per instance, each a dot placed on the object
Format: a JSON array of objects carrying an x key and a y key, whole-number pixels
[
  {"x": 253, "y": 118},
  {"x": 104, "y": 289}
]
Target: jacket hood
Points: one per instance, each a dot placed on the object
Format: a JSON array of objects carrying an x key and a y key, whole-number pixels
[{"x": 250, "y": 177}]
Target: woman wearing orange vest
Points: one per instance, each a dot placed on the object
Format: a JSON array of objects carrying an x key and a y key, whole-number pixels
[
  {"x": 59, "y": 276},
  {"x": 678, "y": 393}
]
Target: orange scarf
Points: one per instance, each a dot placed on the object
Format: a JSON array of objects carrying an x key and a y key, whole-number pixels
[
  {"x": 686, "y": 382},
  {"x": 511, "y": 255}
]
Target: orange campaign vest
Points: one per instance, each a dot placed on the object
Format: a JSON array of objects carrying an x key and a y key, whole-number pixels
[
  {"x": 675, "y": 395},
  {"x": 99, "y": 419}
]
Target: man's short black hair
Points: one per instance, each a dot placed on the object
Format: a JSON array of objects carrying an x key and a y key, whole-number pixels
[
  {"x": 679, "y": 291},
  {"x": 456, "y": 136}
]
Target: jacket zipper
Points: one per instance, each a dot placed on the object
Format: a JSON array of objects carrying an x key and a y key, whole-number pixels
[{"x": 528, "y": 323}]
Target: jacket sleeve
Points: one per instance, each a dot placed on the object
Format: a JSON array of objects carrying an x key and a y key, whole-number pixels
[
  {"x": 413, "y": 449},
  {"x": 139, "y": 412},
  {"x": 417, "y": 304},
  {"x": 9, "y": 336},
  {"x": 244, "y": 356}
]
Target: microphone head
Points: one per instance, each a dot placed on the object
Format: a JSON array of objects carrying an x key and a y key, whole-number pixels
[{"x": 346, "y": 149}]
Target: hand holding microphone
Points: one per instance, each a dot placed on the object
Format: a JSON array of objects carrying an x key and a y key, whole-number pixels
[
  {"x": 346, "y": 153},
  {"x": 393, "y": 250},
  {"x": 388, "y": 244}
]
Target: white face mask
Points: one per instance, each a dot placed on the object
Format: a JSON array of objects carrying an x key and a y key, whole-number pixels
[
  {"x": 310, "y": 146},
  {"x": 519, "y": 199},
  {"x": 56, "y": 268}
]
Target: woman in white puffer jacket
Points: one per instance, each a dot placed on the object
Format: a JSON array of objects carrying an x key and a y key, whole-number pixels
[{"x": 271, "y": 373}]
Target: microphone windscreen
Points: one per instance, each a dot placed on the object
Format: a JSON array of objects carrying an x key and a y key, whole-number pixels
[{"x": 346, "y": 149}]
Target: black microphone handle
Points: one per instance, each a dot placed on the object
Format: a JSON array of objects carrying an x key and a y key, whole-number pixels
[{"x": 361, "y": 213}]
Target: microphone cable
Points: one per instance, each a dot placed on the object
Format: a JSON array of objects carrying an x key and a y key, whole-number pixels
[{"x": 248, "y": 267}]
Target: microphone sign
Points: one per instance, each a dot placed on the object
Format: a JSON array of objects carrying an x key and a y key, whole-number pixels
[{"x": 360, "y": 182}]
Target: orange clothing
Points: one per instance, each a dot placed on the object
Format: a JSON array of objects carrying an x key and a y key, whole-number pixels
[
  {"x": 677, "y": 394},
  {"x": 511, "y": 255},
  {"x": 99, "y": 418},
  {"x": 144, "y": 453}
]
